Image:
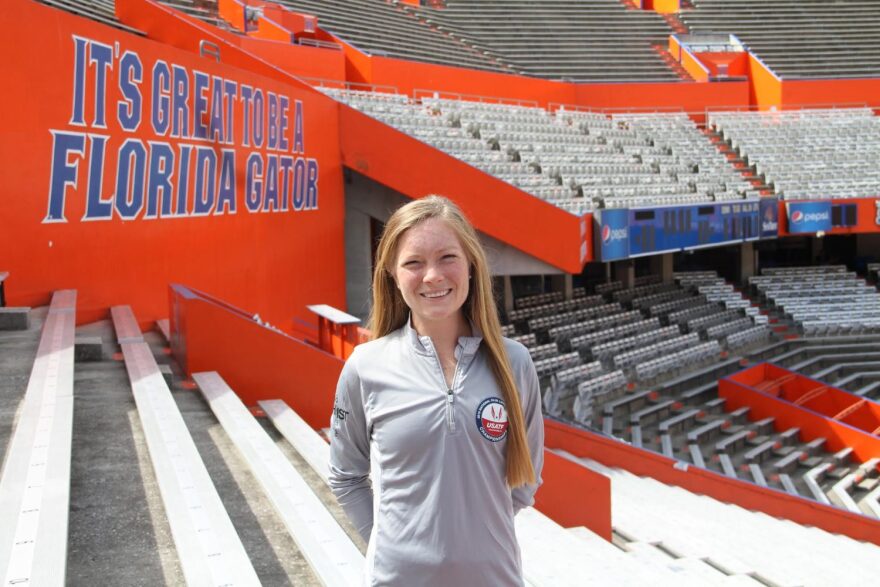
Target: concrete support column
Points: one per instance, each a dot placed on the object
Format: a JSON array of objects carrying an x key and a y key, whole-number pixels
[
  {"x": 507, "y": 294},
  {"x": 358, "y": 264},
  {"x": 662, "y": 265},
  {"x": 748, "y": 261},
  {"x": 625, "y": 272},
  {"x": 815, "y": 249},
  {"x": 562, "y": 282}
]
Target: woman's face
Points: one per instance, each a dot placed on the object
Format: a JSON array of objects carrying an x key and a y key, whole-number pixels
[{"x": 431, "y": 271}]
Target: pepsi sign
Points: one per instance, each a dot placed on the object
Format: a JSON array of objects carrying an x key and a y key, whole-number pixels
[
  {"x": 613, "y": 234},
  {"x": 807, "y": 217}
]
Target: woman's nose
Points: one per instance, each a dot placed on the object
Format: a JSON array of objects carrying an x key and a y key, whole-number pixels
[{"x": 432, "y": 273}]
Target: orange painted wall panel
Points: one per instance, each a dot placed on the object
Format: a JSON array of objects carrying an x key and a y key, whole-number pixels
[
  {"x": 827, "y": 92},
  {"x": 765, "y": 87},
  {"x": 574, "y": 496},
  {"x": 812, "y": 425},
  {"x": 258, "y": 363},
  {"x": 737, "y": 63},
  {"x": 299, "y": 60},
  {"x": 102, "y": 240},
  {"x": 687, "y": 96},
  {"x": 408, "y": 76},
  {"x": 692, "y": 64}
]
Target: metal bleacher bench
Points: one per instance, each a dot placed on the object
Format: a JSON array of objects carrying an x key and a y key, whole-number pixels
[
  {"x": 330, "y": 552},
  {"x": 35, "y": 481},
  {"x": 207, "y": 544}
]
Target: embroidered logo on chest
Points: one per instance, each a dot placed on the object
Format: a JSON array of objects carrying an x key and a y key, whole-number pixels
[{"x": 492, "y": 419}]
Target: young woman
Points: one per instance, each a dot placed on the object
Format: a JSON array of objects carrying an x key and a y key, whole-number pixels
[{"x": 447, "y": 409}]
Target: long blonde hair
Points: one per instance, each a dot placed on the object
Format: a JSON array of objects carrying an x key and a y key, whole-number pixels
[{"x": 390, "y": 312}]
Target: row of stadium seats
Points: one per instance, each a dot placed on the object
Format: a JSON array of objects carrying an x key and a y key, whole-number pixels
[
  {"x": 576, "y": 160},
  {"x": 797, "y": 39},
  {"x": 836, "y": 302},
  {"x": 808, "y": 154}
]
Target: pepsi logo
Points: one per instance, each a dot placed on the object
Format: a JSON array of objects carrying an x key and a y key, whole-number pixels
[
  {"x": 610, "y": 235},
  {"x": 797, "y": 216},
  {"x": 492, "y": 419}
]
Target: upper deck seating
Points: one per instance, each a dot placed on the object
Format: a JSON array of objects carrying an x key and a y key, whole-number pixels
[
  {"x": 809, "y": 154},
  {"x": 578, "y": 161},
  {"x": 387, "y": 29},
  {"x": 798, "y": 39},
  {"x": 593, "y": 40}
]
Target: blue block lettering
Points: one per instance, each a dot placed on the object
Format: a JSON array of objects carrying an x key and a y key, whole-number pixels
[
  {"x": 283, "y": 143},
  {"x": 77, "y": 115},
  {"x": 64, "y": 173},
  {"x": 246, "y": 94},
  {"x": 102, "y": 56},
  {"x": 253, "y": 197},
  {"x": 96, "y": 207},
  {"x": 215, "y": 127},
  {"x": 312, "y": 189},
  {"x": 159, "y": 180},
  {"x": 161, "y": 110},
  {"x": 270, "y": 202},
  {"x": 180, "y": 103},
  {"x": 182, "y": 179},
  {"x": 206, "y": 174},
  {"x": 258, "y": 118},
  {"x": 200, "y": 105},
  {"x": 226, "y": 192},
  {"x": 128, "y": 111},
  {"x": 130, "y": 179}
]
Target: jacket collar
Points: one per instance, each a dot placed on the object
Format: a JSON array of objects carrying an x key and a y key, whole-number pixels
[{"x": 467, "y": 345}]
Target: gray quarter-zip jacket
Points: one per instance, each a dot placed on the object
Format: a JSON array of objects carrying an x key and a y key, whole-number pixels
[{"x": 439, "y": 511}]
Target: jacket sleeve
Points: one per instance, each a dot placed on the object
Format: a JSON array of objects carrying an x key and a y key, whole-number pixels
[
  {"x": 530, "y": 392},
  {"x": 350, "y": 452}
]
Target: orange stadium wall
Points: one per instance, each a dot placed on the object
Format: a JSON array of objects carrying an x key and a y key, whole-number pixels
[
  {"x": 409, "y": 76},
  {"x": 737, "y": 63},
  {"x": 765, "y": 87},
  {"x": 826, "y": 92},
  {"x": 67, "y": 225}
]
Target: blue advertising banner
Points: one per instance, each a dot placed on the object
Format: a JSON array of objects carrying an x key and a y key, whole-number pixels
[
  {"x": 675, "y": 228},
  {"x": 808, "y": 216},
  {"x": 612, "y": 235},
  {"x": 769, "y": 208}
]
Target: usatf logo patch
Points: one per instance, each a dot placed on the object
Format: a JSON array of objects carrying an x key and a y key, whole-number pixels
[{"x": 492, "y": 419}]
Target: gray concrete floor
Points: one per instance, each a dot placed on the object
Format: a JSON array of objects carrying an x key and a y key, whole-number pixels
[{"x": 118, "y": 532}]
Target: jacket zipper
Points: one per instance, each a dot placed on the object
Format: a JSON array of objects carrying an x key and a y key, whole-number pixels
[{"x": 450, "y": 396}]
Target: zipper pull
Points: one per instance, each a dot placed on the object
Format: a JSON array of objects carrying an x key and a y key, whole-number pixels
[{"x": 450, "y": 416}]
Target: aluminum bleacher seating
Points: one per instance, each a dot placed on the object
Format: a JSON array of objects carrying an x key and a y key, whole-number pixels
[
  {"x": 575, "y": 160},
  {"x": 796, "y": 40},
  {"x": 808, "y": 154},
  {"x": 208, "y": 546},
  {"x": 642, "y": 508},
  {"x": 837, "y": 302},
  {"x": 579, "y": 41},
  {"x": 35, "y": 481},
  {"x": 331, "y": 553}
]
